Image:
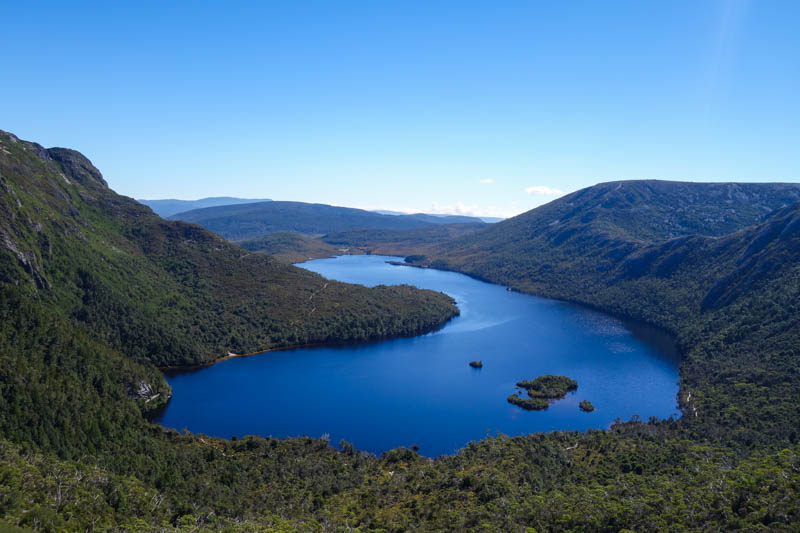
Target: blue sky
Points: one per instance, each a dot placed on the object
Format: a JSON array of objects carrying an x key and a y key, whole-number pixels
[{"x": 486, "y": 108}]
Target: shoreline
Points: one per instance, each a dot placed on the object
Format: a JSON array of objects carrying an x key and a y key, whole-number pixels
[
  {"x": 334, "y": 344},
  {"x": 178, "y": 368},
  {"x": 238, "y": 355}
]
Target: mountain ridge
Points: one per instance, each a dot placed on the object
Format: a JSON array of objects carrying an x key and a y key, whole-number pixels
[
  {"x": 111, "y": 265},
  {"x": 251, "y": 221},
  {"x": 172, "y": 206},
  {"x": 719, "y": 293}
]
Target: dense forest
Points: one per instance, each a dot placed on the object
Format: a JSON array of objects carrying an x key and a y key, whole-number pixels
[{"x": 95, "y": 290}]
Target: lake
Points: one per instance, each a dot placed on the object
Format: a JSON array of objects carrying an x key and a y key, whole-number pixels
[{"x": 421, "y": 390}]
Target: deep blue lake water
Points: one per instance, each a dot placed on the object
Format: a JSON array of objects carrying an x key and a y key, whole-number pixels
[{"x": 421, "y": 390}]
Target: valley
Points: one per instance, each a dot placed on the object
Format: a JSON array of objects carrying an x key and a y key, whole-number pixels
[
  {"x": 350, "y": 391},
  {"x": 97, "y": 292},
  {"x": 400, "y": 267}
]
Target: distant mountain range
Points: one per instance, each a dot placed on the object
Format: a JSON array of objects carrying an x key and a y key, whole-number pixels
[
  {"x": 167, "y": 208},
  {"x": 253, "y": 220},
  {"x": 488, "y": 220}
]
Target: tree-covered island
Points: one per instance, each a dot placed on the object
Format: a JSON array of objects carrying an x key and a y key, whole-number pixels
[
  {"x": 542, "y": 391},
  {"x": 549, "y": 387}
]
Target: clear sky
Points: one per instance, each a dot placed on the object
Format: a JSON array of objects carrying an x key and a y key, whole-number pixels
[{"x": 486, "y": 108}]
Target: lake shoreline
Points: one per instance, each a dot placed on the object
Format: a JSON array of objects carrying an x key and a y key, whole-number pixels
[
  {"x": 424, "y": 384},
  {"x": 627, "y": 320},
  {"x": 332, "y": 344}
]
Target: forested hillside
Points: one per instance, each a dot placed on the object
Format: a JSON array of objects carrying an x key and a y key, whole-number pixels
[
  {"x": 94, "y": 288},
  {"x": 171, "y": 293},
  {"x": 731, "y": 299}
]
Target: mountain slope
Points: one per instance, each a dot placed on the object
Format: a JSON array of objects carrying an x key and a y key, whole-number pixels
[
  {"x": 591, "y": 230},
  {"x": 732, "y": 299},
  {"x": 167, "y": 208},
  {"x": 170, "y": 292},
  {"x": 250, "y": 221}
]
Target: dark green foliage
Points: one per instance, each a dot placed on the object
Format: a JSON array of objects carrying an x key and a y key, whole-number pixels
[
  {"x": 586, "y": 406},
  {"x": 292, "y": 247},
  {"x": 549, "y": 387},
  {"x": 171, "y": 293},
  {"x": 542, "y": 390},
  {"x": 530, "y": 404}
]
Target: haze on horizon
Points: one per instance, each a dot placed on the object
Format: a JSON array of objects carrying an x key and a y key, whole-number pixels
[{"x": 471, "y": 108}]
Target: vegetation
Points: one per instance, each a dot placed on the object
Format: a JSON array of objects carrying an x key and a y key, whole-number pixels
[
  {"x": 730, "y": 300},
  {"x": 171, "y": 293},
  {"x": 476, "y": 364},
  {"x": 586, "y": 406},
  {"x": 529, "y": 404},
  {"x": 95, "y": 290},
  {"x": 549, "y": 387},
  {"x": 253, "y": 220},
  {"x": 542, "y": 391},
  {"x": 292, "y": 247},
  {"x": 400, "y": 242}
]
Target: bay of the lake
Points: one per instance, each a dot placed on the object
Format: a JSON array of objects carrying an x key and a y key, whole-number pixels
[{"x": 421, "y": 390}]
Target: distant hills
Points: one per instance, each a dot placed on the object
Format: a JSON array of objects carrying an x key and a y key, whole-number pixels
[
  {"x": 296, "y": 247},
  {"x": 249, "y": 221},
  {"x": 399, "y": 242},
  {"x": 488, "y": 220},
  {"x": 167, "y": 208}
]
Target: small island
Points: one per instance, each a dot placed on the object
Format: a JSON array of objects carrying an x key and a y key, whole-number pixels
[
  {"x": 529, "y": 404},
  {"x": 549, "y": 387},
  {"x": 542, "y": 391},
  {"x": 476, "y": 364},
  {"x": 586, "y": 406}
]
